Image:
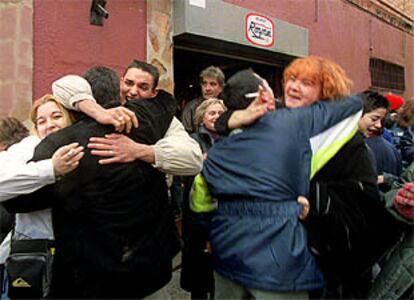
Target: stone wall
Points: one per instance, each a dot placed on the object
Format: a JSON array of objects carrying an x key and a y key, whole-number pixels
[
  {"x": 16, "y": 57},
  {"x": 159, "y": 41}
]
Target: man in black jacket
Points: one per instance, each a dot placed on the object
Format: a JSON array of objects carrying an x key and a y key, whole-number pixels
[{"x": 114, "y": 230}]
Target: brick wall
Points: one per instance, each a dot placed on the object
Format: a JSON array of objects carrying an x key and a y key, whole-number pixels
[
  {"x": 16, "y": 57},
  {"x": 65, "y": 43}
]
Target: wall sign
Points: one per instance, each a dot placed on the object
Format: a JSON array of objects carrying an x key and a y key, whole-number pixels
[
  {"x": 259, "y": 30},
  {"x": 199, "y": 3}
]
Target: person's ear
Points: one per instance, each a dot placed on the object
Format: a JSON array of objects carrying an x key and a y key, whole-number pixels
[{"x": 155, "y": 92}]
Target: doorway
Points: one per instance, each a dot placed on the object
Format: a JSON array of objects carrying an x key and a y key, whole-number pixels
[{"x": 189, "y": 63}]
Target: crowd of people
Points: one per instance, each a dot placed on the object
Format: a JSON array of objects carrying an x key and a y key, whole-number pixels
[{"x": 311, "y": 198}]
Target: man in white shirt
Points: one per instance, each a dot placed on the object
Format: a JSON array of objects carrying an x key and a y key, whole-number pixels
[{"x": 176, "y": 153}]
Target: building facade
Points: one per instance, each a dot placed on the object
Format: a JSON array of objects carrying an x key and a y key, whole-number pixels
[{"x": 41, "y": 40}]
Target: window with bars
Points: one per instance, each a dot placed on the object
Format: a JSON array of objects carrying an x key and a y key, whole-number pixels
[{"x": 386, "y": 75}]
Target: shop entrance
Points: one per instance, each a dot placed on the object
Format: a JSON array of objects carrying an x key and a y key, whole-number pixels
[{"x": 189, "y": 63}]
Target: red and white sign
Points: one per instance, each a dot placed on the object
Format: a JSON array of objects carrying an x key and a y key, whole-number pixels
[{"x": 260, "y": 30}]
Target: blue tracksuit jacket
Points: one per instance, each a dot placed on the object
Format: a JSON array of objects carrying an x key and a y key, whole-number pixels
[{"x": 257, "y": 175}]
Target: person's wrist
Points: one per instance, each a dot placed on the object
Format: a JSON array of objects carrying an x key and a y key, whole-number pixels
[
  {"x": 241, "y": 118},
  {"x": 83, "y": 105},
  {"x": 58, "y": 175},
  {"x": 236, "y": 119},
  {"x": 77, "y": 105},
  {"x": 92, "y": 109},
  {"x": 137, "y": 151},
  {"x": 149, "y": 154}
]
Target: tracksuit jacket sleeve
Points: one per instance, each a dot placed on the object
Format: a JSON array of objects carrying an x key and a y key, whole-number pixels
[
  {"x": 334, "y": 123},
  {"x": 221, "y": 123},
  {"x": 349, "y": 176},
  {"x": 325, "y": 114}
]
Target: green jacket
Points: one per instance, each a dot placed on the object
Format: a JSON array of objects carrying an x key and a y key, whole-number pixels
[{"x": 397, "y": 275}]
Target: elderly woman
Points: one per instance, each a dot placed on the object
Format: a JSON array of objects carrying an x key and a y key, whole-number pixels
[
  {"x": 197, "y": 273},
  {"x": 205, "y": 117}
]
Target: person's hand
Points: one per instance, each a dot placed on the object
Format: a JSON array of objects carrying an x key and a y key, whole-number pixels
[
  {"x": 404, "y": 201},
  {"x": 305, "y": 207},
  {"x": 118, "y": 148},
  {"x": 380, "y": 179},
  {"x": 120, "y": 117},
  {"x": 266, "y": 96},
  {"x": 66, "y": 159},
  {"x": 263, "y": 103}
]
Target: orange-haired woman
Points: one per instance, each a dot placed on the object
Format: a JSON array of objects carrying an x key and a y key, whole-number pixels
[{"x": 345, "y": 211}]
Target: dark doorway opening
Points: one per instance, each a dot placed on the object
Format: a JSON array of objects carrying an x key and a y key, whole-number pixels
[{"x": 188, "y": 64}]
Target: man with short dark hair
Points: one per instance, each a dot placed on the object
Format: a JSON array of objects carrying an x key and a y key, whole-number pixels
[
  {"x": 105, "y": 85},
  {"x": 140, "y": 81},
  {"x": 212, "y": 82},
  {"x": 176, "y": 153}
]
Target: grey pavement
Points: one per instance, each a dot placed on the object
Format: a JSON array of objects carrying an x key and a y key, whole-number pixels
[{"x": 173, "y": 287}]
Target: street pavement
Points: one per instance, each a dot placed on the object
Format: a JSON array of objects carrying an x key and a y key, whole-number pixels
[{"x": 173, "y": 287}]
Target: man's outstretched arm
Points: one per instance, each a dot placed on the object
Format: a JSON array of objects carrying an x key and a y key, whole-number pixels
[{"x": 176, "y": 153}]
